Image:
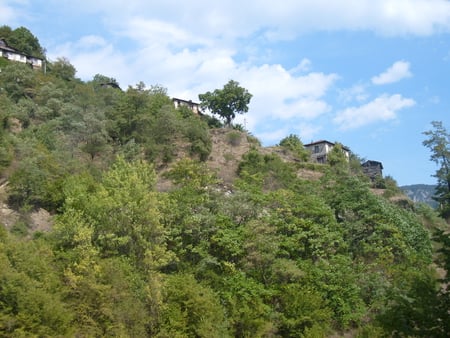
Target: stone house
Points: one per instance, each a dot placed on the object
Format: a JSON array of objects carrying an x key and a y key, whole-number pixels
[
  {"x": 195, "y": 107},
  {"x": 320, "y": 149},
  {"x": 373, "y": 169}
]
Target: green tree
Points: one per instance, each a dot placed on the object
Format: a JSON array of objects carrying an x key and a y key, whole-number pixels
[
  {"x": 31, "y": 293},
  {"x": 439, "y": 144},
  {"x": 124, "y": 212},
  {"x": 294, "y": 145},
  {"x": 24, "y": 41},
  {"x": 37, "y": 180},
  {"x": 63, "y": 69},
  {"x": 6, "y": 153},
  {"x": 94, "y": 135},
  {"x": 5, "y": 32},
  {"x": 18, "y": 81},
  {"x": 227, "y": 102},
  {"x": 191, "y": 310}
]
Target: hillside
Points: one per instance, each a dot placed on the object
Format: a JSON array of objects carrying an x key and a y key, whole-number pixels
[{"x": 123, "y": 215}]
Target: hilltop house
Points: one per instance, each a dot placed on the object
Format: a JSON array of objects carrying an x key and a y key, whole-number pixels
[
  {"x": 373, "y": 169},
  {"x": 195, "y": 107},
  {"x": 17, "y": 56},
  {"x": 320, "y": 149}
]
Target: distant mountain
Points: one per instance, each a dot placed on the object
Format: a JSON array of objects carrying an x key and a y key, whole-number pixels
[{"x": 421, "y": 193}]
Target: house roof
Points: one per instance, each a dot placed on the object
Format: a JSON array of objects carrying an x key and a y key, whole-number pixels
[
  {"x": 371, "y": 163},
  {"x": 186, "y": 101},
  {"x": 111, "y": 84},
  {"x": 4, "y": 46},
  {"x": 325, "y": 142}
]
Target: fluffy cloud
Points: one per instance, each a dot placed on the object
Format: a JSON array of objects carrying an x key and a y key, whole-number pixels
[
  {"x": 398, "y": 71},
  {"x": 238, "y": 19},
  {"x": 357, "y": 93},
  {"x": 383, "y": 108},
  {"x": 196, "y": 46}
]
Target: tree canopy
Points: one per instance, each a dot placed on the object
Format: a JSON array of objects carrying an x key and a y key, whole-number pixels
[
  {"x": 438, "y": 142},
  {"x": 144, "y": 238},
  {"x": 232, "y": 99},
  {"x": 22, "y": 40}
]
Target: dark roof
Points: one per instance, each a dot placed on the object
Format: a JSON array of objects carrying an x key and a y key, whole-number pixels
[
  {"x": 371, "y": 163},
  {"x": 111, "y": 84},
  {"x": 326, "y": 142},
  {"x": 4, "y": 46},
  {"x": 185, "y": 101}
]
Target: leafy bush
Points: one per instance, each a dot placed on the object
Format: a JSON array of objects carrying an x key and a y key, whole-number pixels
[
  {"x": 234, "y": 138},
  {"x": 293, "y": 145}
]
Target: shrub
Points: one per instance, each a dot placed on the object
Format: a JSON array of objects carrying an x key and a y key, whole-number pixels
[{"x": 234, "y": 138}]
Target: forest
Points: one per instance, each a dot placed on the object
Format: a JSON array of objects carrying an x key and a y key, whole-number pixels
[{"x": 148, "y": 239}]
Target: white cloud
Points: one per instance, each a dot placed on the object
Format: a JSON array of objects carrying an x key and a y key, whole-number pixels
[
  {"x": 307, "y": 132},
  {"x": 287, "y": 20},
  {"x": 196, "y": 46},
  {"x": 274, "y": 136},
  {"x": 303, "y": 66},
  {"x": 91, "y": 41},
  {"x": 398, "y": 71},
  {"x": 152, "y": 32},
  {"x": 92, "y": 55},
  {"x": 383, "y": 108},
  {"x": 356, "y": 93}
]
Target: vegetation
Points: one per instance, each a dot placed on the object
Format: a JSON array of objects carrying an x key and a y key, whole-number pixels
[
  {"x": 271, "y": 255},
  {"x": 232, "y": 99},
  {"x": 23, "y": 40},
  {"x": 439, "y": 144}
]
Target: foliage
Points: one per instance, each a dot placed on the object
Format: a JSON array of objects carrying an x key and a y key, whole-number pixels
[
  {"x": 232, "y": 99},
  {"x": 124, "y": 213},
  {"x": 38, "y": 178},
  {"x": 191, "y": 310},
  {"x": 274, "y": 172},
  {"x": 270, "y": 254},
  {"x": 30, "y": 291},
  {"x": 294, "y": 145},
  {"x": 234, "y": 138},
  {"x": 439, "y": 144},
  {"x": 18, "y": 81},
  {"x": 63, "y": 69},
  {"x": 22, "y": 40}
]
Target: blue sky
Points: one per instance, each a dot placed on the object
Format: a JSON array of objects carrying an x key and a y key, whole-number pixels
[{"x": 369, "y": 74}]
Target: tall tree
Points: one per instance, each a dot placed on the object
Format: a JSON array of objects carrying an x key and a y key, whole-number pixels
[
  {"x": 439, "y": 143},
  {"x": 63, "y": 69},
  {"x": 23, "y": 40},
  {"x": 227, "y": 102}
]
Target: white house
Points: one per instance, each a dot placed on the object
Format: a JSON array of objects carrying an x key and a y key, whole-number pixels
[
  {"x": 195, "y": 107},
  {"x": 320, "y": 149},
  {"x": 17, "y": 56}
]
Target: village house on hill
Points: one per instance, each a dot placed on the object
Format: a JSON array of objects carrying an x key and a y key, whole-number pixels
[
  {"x": 320, "y": 149},
  {"x": 14, "y": 55},
  {"x": 195, "y": 107},
  {"x": 373, "y": 169}
]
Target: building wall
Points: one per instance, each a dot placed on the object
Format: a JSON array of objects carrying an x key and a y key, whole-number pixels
[
  {"x": 320, "y": 150},
  {"x": 12, "y": 55},
  {"x": 195, "y": 107}
]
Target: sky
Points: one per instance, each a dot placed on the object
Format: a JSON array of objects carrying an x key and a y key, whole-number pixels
[{"x": 370, "y": 74}]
